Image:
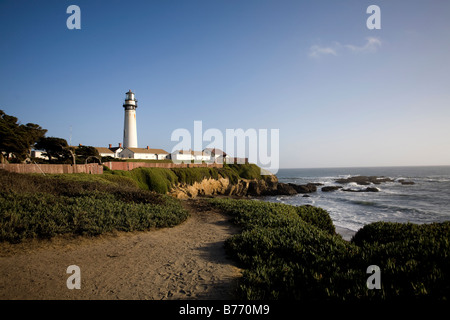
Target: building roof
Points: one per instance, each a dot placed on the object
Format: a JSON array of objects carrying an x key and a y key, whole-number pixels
[
  {"x": 215, "y": 151},
  {"x": 145, "y": 150},
  {"x": 183, "y": 151},
  {"x": 103, "y": 150},
  {"x": 194, "y": 153}
]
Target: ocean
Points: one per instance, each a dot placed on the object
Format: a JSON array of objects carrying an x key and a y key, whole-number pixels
[{"x": 426, "y": 201}]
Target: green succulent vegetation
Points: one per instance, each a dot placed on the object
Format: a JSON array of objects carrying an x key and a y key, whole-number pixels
[
  {"x": 415, "y": 259},
  {"x": 246, "y": 171},
  {"x": 35, "y": 206},
  {"x": 294, "y": 253},
  {"x": 162, "y": 180}
]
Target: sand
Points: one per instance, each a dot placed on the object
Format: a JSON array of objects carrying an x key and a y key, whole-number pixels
[{"x": 184, "y": 262}]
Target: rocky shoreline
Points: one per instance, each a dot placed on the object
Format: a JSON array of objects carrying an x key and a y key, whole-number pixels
[
  {"x": 292, "y": 189},
  {"x": 365, "y": 181},
  {"x": 269, "y": 186}
]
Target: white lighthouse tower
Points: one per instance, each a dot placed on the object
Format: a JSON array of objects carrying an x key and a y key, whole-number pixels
[{"x": 130, "y": 129}]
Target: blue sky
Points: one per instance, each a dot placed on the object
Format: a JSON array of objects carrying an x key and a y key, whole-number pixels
[{"x": 339, "y": 93}]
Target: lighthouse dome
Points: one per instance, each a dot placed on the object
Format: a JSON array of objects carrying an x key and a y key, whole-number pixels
[{"x": 129, "y": 95}]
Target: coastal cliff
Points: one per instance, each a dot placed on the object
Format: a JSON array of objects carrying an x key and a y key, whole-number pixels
[
  {"x": 232, "y": 180},
  {"x": 223, "y": 186},
  {"x": 265, "y": 186}
]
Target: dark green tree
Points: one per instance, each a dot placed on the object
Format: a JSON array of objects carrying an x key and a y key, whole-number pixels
[
  {"x": 17, "y": 139},
  {"x": 87, "y": 153},
  {"x": 55, "y": 148}
]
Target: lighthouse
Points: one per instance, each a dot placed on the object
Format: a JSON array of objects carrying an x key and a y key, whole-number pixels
[{"x": 129, "y": 128}]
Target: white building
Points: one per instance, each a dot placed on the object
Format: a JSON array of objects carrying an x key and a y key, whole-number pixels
[
  {"x": 104, "y": 152},
  {"x": 38, "y": 154},
  {"x": 217, "y": 155},
  {"x": 116, "y": 150},
  {"x": 182, "y": 156},
  {"x": 201, "y": 156},
  {"x": 144, "y": 153},
  {"x": 189, "y": 155}
]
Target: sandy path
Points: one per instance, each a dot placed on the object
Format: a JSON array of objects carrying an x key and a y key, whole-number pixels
[{"x": 184, "y": 262}]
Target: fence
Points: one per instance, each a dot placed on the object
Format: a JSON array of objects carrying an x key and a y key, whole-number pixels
[
  {"x": 95, "y": 168},
  {"x": 127, "y": 166},
  {"x": 91, "y": 168}
]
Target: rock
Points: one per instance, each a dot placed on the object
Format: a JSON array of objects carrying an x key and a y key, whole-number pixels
[
  {"x": 379, "y": 180},
  {"x": 330, "y": 188},
  {"x": 306, "y": 196},
  {"x": 305, "y": 188},
  {"x": 271, "y": 182},
  {"x": 365, "y": 180},
  {"x": 261, "y": 187},
  {"x": 268, "y": 186},
  {"x": 403, "y": 182},
  {"x": 368, "y": 189},
  {"x": 210, "y": 187},
  {"x": 285, "y": 189},
  {"x": 255, "y": 188}
]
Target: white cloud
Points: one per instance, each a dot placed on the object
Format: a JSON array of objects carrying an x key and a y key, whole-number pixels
[
  {"x": 316, "y": 51},
  {"x": 371, "y": 45}
]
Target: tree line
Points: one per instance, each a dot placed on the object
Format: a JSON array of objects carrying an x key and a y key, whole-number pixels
[{"x": 17, "y": 140}]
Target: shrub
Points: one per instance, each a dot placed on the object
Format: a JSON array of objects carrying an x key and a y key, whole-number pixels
[
  {"x": 34, "y": 206},
  {"x": 248, "y": 213},
  {"x": 192, "y": 175},
  {"x": 229, "y": 173},
  {"x": 286, "y": 251},
  {"x": 414, "y": 259},
  {"x": 293, "y": 253},
  {"x": 386, "y": 232},
  {"x": 317, "y": 217},
  {"x": 154, "y": 179},
  {"x": 43, "y": 215},
  {"x": 246, "y": 171}
]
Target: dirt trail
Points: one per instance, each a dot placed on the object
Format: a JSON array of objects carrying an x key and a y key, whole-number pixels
[{"x": 184, "y": 262}]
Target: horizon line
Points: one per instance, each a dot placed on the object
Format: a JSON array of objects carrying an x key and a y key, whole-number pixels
[{"x": 383, "y": 166}]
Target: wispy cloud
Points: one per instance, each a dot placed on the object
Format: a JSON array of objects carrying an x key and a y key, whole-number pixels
[
  {"x": 316, "y": 51},
  {"x": 372, "y": 44},
  {"x": 336, "y": 49}
]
